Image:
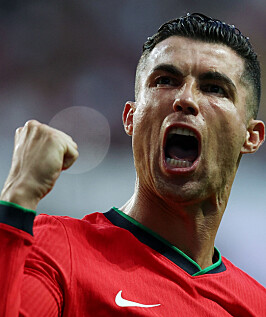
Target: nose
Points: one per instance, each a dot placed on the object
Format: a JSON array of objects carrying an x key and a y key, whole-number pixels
[{"x": 185, "y": 101}]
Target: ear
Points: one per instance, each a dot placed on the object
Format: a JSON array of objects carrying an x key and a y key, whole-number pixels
[
  {"x": 128, "y": 114},
  {"x": 254, "y": 137}
]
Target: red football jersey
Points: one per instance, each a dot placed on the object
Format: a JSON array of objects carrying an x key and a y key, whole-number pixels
[{"x": 110, "y": 265}]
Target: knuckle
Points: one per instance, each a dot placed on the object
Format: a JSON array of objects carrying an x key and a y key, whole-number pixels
[
  {"x": 53, "y": 131},
  {"x": 18, "y": 130},
  {"x": 32, "y": 123},
  {"x": 75, "y": 145}
]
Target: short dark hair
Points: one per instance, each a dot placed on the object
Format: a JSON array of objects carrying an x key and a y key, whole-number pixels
[{"x": 200, "y": 27}]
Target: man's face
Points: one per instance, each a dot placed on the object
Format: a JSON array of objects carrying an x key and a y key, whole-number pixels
[{"x": 189, "y": 120}]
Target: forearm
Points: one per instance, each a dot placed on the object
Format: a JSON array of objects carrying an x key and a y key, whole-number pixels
[{"x": 40, "y": 154}]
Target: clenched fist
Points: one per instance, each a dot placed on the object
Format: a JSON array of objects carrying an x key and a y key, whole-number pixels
[{"x": 40, "y": 154}]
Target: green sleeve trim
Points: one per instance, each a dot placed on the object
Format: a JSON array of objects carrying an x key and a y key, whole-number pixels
[
  {"x": 200, "y": 272},
  {"x": 7, "y": 203}
]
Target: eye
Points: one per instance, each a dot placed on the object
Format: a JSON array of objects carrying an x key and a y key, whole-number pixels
[
  {"x": 165, "y": 81},
  {"x": 214, "y": 89}
]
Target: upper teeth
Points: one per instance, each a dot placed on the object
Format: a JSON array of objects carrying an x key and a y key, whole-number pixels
[{"x": 182, "y": 131}]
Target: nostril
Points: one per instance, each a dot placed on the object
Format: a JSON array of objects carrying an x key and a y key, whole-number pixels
[
  {"x": 192, "y": 110},
  {"x": 187, "y": 108}
]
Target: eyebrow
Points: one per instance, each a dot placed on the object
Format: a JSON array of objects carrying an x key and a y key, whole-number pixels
[
  {"x": 218, "y": 77},
  {"x": 169, "y": 68}
]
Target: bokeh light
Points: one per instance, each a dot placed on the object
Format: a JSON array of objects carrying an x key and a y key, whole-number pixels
[{"x": 90, "y": 130}]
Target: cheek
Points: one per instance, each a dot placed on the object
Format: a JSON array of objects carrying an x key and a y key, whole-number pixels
[
  {"x": 224, "y": 114},
  {"x": 150, "y": 112},
  {"x": 229, "y": 141},
  {"x": 146, "y": 131},
  {"x": 226, "y": 129},
  {"x": 157, "y": 100},
  {"x": 141, "y": 131}
]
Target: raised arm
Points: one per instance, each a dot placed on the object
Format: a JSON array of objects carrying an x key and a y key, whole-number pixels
[{"x": 40, "y": 154}]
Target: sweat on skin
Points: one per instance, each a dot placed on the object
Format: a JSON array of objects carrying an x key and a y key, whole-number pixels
[{"x": 185, "y": 205}]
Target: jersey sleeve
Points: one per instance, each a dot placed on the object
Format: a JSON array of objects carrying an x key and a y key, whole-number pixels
[{"x": 34, "y": 263}]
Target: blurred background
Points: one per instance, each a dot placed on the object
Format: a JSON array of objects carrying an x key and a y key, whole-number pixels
[{"x": 71, "y": 64}]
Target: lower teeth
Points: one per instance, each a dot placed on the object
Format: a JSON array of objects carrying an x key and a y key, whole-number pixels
[{"x": 178, "y": 163}]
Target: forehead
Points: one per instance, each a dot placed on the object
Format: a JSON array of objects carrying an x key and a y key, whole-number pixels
[{"x": 194, "y": 56}]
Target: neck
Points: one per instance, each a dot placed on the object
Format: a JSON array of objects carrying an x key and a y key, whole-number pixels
[{"x": 191, "y": 227}]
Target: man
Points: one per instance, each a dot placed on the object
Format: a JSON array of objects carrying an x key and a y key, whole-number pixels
[{"x": 197, "y": 96}]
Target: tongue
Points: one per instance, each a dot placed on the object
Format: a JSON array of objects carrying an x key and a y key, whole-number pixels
[{"x": 179, "y": 153}]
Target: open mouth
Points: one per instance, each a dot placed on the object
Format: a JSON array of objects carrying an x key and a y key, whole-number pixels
[{"x": 181, "y": 148}]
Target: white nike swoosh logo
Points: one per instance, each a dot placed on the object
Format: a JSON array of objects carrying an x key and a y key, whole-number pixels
[{"x": 121, "y": 302}]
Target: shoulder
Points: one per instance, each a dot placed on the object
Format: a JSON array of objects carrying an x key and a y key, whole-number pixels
[
  {"x": 241, "y": 279},
  {"x": 57, "y": 238},
  {"x": 63, "y": 225}
]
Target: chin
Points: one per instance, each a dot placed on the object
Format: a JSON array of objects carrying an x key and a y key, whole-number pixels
[{"x": 179, "y": 191}]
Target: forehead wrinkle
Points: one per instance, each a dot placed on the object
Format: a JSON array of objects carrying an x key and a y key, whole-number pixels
[{"x": 195, "y": 48}]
